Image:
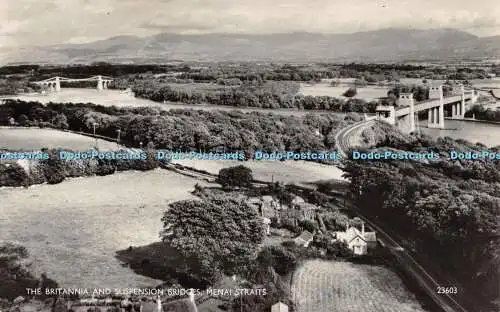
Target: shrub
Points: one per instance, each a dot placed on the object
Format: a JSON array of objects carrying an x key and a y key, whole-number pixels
[
  {"x": 350, "y": 92},
  {"x": 13, "y": 175},
  {"x": 239, "y": 176}
]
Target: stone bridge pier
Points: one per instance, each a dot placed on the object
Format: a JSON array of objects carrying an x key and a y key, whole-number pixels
[
  {"x": 102, "y": 83},
  {"x": 458, "y": 109},
  {"x": 435, "y": 115}
]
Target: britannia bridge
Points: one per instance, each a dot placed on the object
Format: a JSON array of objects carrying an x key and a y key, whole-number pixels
[
  {"x": 404, "y": 115},
  {"x": 54, "y": 83}
]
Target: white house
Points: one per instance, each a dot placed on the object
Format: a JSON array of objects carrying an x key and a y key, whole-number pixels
[
  {"x": 279, "y": 307},
  {"x": 358, "y": 241},
  {"x": 297, "y": 200}
]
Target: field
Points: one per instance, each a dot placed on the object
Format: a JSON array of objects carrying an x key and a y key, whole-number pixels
[
  {"x": 324, "y": 286},
  {"x": 284, "y": 171},
  {"x": 323, "y": 89},
  {"x": 73, "y": 229},
  {"x": 35, "y": 139}
]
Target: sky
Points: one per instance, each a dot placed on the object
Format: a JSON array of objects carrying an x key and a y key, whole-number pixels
[{"x": 46, "y": 22}]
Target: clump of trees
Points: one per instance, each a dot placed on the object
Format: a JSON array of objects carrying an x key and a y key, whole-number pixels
[
  {"x": 482, "y": 113},
  {"x": 15, "y": 274},
  {"x": 216, "y": 235},
  {"x": 189, "y": 130},
  {"x": 55, "y": 170},
  {"x": 238, "y": 176},
  {"x": 420, "y": 93}
]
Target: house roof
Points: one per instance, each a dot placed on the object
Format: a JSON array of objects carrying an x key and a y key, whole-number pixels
[
  {"x": 254, "y": 200},
  {"x": 352, "y": 232},
  {"x": 353, "y": 238},
  {"x": 305, "y": 236},
  {"x": 370, "y": 236},
  {"x": 149, "y": 306},
  {"x": 267, "y": 198},
  {"x": 279, "y": 304},
  {"x": 297, "y": 200},
  {"x": 305, "y": 205}
]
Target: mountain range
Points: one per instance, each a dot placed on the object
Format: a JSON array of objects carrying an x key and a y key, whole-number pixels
[{"x": 386, "y": 45}]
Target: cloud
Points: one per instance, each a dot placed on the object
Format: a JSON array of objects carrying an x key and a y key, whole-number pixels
[{"x": 36, "y": 22}]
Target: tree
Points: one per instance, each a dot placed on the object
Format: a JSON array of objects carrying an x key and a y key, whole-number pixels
[
  {"x": 23, "y": 120},
  {"x": 238, "y": 176},
  {"x": 217, "y": 233},
  {"x": 350, "y": 92},
  {"x": 60, "y": 121}
]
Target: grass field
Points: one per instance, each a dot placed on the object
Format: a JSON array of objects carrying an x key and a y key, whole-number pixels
[
  {"x": 74, "y": 228},
  {"x": 284, "y": 171},
  {"x": 325, "y": 286},
  {"x": 35, "y": 139},
  {"x": 323, "y": 89}
]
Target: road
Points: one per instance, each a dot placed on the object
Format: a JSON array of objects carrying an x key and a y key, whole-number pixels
[{"x": 349, "y": 136}]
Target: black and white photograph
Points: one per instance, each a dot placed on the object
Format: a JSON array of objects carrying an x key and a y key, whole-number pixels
[{"x": 249, "y": 156}]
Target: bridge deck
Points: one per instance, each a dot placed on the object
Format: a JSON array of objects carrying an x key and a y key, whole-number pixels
[
  {"x": 425, "y": 105},
  {"x": 61, "y": 79}
]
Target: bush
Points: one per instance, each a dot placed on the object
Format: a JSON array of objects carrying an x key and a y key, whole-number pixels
[
  {"x": 289, "y": 224},
  {"x": 239, "y": 176},
  {"x": 308, "y": 225},
  {"x": 13, "y": 175},
  {"x": 350, "y": 92}
]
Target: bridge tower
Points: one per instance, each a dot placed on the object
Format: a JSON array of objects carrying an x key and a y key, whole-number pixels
[
  {"x": 386, "y": 113},
  {"x": 58, "y": 85},
  {"x": 406, "y": 99},
  {"x": 436, "y": 114},
  {"x": 458, "y": 109},
  {"x": 99, "y": 83}
]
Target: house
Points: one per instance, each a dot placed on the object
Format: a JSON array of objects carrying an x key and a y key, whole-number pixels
[
  {"x": 297, "y": 200},
  {"x": 279, "y": 307},
  {"x": 358, "y": 241},
  {"x": 304, "y": 239}
]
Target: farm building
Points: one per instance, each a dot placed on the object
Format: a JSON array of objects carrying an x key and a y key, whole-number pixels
[
  {"x": 304, "y": 239},
  {"x": 358, "y": 241},
  {"x": 279, "y": 307}
]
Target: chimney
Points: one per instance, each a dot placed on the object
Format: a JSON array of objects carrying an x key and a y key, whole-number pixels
[{"x": 363, "y": 228}]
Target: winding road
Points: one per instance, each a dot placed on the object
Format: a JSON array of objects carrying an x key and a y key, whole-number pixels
[{"x": 350, "y": 136}]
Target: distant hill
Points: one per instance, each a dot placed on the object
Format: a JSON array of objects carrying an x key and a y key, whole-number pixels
[{"x": 382, "y": 45}]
